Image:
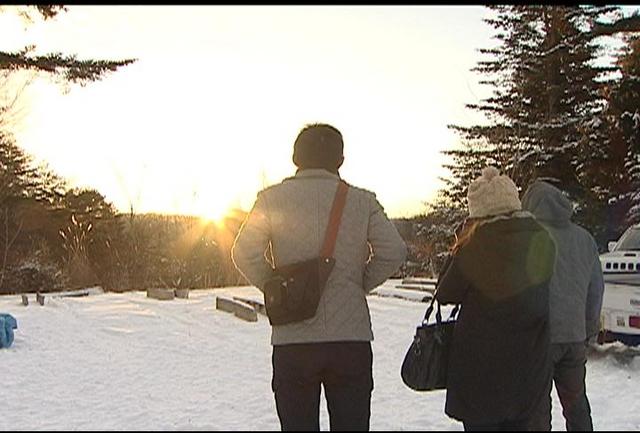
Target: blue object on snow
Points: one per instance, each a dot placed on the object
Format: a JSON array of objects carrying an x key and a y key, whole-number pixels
[{"x": 7, "y": 324}]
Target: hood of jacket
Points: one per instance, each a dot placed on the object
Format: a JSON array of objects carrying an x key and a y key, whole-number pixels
[{"x": 548, "y": 204}]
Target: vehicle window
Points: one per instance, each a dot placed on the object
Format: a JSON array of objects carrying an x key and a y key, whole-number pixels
[{"x": 630, "y": 241}]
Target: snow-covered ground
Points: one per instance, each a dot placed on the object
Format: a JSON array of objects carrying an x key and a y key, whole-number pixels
[{"x": 127, "y": 362}]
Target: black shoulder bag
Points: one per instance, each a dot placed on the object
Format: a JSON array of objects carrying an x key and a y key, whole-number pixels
[
  {"x": 293, "y": 293},
  {"x": 426, "y": 362}
]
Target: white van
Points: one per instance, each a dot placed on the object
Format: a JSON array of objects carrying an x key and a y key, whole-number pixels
[{"x": 620, "y": 317}]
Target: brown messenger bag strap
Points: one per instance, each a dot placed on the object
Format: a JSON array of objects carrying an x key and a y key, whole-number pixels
[{"x": 334, "y": 219}]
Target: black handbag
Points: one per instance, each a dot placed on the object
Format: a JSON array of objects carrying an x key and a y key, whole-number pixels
[
  {"x": 293, "y": 293},
  {"x": 426, "y": 362}
]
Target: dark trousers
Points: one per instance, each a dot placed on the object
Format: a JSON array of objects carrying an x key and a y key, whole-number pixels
[
  {"x": 345, "y": 371},
  {"x": 569, "y": 373},
  {"x": 503, "y": 426}
]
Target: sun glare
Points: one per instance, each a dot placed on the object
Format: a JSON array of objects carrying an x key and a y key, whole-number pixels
[
  {"x": 215, "y": 214},
  {"x": 234, "y": 132}
]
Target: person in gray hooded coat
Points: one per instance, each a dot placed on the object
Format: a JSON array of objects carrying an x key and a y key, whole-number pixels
[{"x": 575, "y": 297}]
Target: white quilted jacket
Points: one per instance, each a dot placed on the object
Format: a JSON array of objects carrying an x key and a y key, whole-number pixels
[{"x": 287, "y": 224}]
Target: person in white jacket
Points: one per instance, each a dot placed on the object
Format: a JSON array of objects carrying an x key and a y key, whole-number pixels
[{"x": 333, "y": 348}]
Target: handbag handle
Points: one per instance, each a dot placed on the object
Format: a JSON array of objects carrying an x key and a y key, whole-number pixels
[
  {"x": 427, "y": 314},
  {"x": 334, "y": 219}
]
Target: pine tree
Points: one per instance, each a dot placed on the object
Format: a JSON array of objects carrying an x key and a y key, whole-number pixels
[
  {"x": 547, "y": 93},
  {"x": 16, "y": 171},
  {"x": 624, "y": 107},
  {"x": 433, "y": 235},
  {"x": 507, "y": 70},
  {"x": 612, "y": 171},
  {"x": 16, "y": 185},
  {"x": 59, "y": 65},
  {"x": 33, "y": 198}
]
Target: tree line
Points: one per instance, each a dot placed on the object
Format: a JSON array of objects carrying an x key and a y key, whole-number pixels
[
  {"x": 54, "y": 237},
  {"x": 555, "y": 111}
]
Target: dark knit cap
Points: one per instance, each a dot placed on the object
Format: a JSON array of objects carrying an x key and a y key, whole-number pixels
[{"x": 318, "y": 146}]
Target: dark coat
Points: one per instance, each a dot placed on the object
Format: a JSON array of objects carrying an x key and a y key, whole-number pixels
[{"x": 499, "y": 366}]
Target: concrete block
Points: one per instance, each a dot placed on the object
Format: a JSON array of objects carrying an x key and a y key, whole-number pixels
[
  {"x": 257, "y": 305},
  {"x": 246, "y": 312},
  {"x": 239, "y": 309},
  {"x": 161, "y": 294},
  {"x": 225, "y": 304},
  {"x": 182, "y": 293}
]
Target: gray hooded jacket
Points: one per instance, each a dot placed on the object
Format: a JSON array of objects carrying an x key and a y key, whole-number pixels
[{"x": 577, "y": 286}]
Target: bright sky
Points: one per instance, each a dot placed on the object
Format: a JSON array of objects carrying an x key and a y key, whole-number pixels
[{"x": 209, "y": 113}]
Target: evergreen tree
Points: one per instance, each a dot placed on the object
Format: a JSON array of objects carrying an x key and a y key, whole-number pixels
[
  {"x": 547, "y": 94},
  {"x": 21, "y": 211},
  {"x": 35, "y": 207},
  {"x": 16, "y": 171},
  {"x": 611, "y": 171},
  {"x": 66, "y": 67},
  {"x": 87, "y": 204},
  {"x": 433, "y": 235},
  {"x": 624, "y": 107}
]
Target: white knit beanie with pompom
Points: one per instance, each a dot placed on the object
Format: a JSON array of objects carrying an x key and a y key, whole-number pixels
[{"x": 492, "y": 194}]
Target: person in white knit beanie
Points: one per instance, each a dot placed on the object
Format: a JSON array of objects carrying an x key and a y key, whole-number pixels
[
  {"x": 492, "y": 194},
  {"x": 499, "y": 272}
]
